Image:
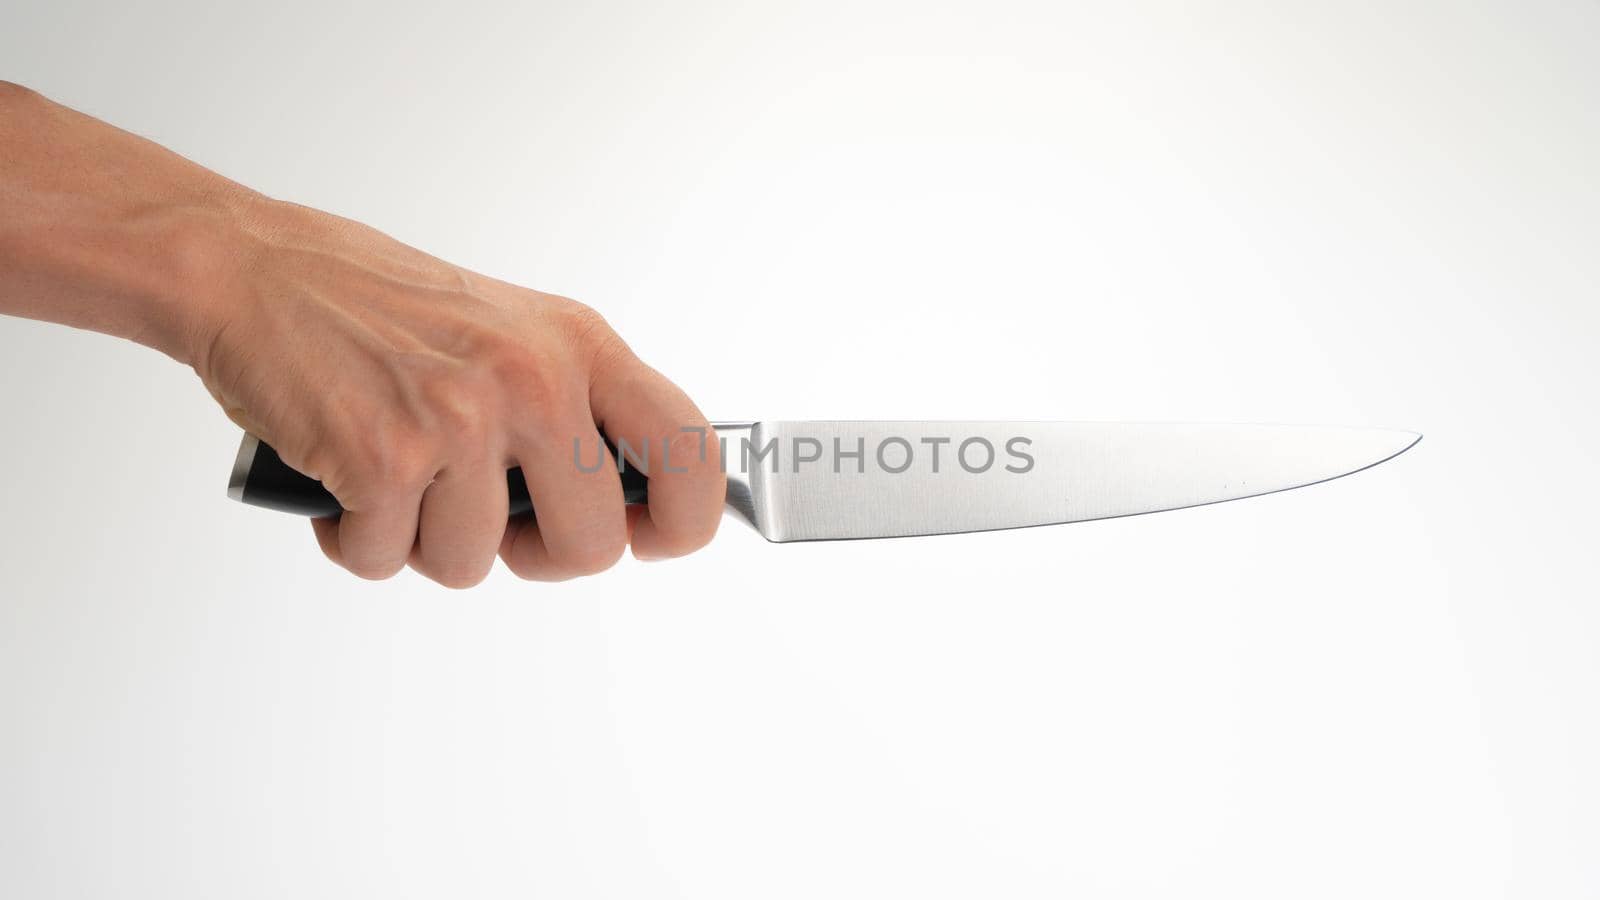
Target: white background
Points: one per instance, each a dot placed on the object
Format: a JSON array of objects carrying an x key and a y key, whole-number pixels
[{"x": 1369, "y": 214}]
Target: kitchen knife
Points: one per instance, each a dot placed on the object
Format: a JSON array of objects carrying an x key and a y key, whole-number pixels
[{"x": 811, "y": 481}]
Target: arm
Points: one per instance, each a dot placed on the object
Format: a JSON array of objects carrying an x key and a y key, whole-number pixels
[{"x": 406, "y": 385}]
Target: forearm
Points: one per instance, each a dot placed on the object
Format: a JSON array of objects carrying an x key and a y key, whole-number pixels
[{"x": 103, "y": 230}]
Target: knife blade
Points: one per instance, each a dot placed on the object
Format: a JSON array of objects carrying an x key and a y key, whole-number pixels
[{"x": 811, "y": 481}]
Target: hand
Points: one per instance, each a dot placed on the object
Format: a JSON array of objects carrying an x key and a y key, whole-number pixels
[{"x": 408, "y": 386}]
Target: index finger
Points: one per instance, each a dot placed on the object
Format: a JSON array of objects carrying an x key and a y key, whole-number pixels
[{"x": 660, "y": 431}]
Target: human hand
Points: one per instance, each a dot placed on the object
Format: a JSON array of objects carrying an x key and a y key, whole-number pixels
[{"x": 408, "y": 386}]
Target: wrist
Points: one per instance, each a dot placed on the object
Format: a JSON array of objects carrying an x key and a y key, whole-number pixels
[{"x": 198, "y": 279}]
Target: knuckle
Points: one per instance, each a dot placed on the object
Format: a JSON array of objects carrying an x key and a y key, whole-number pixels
[
  {"x": 584, "y": 323},
  {"x": 531, "y": 380},
  {"x": 379, "y": 464},
  {"x": 592, "y": 335},
  {"x": 400, "y": 464},
  {"x": 456, "y": 410},
  {"x": 526, "y": 381},
  {"x": 453, "y": 400}
]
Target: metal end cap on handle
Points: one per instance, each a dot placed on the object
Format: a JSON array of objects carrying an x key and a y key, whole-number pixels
[{"x": 241, "y": 467}]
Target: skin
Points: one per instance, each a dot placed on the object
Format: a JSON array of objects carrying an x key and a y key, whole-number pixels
[{"x": 405, "y": 384}]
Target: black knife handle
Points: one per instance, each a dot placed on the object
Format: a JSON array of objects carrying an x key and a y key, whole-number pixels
[{"x": 261, "y": 478}]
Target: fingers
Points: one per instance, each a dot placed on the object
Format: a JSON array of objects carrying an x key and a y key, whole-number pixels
[
  {"x": 581, "y": 525},
  {"x": 449, "y": 533},
  {"x": 373, "y": 542},
  {"x": 658, "y": 429},
  {"x": 327, "y": 532},
  {"x": 420, "y": 485},
  {"x": 462, "y": 517}
]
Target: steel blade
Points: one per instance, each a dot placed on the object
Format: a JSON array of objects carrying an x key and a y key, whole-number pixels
[{"x": 805, "y": 481}]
